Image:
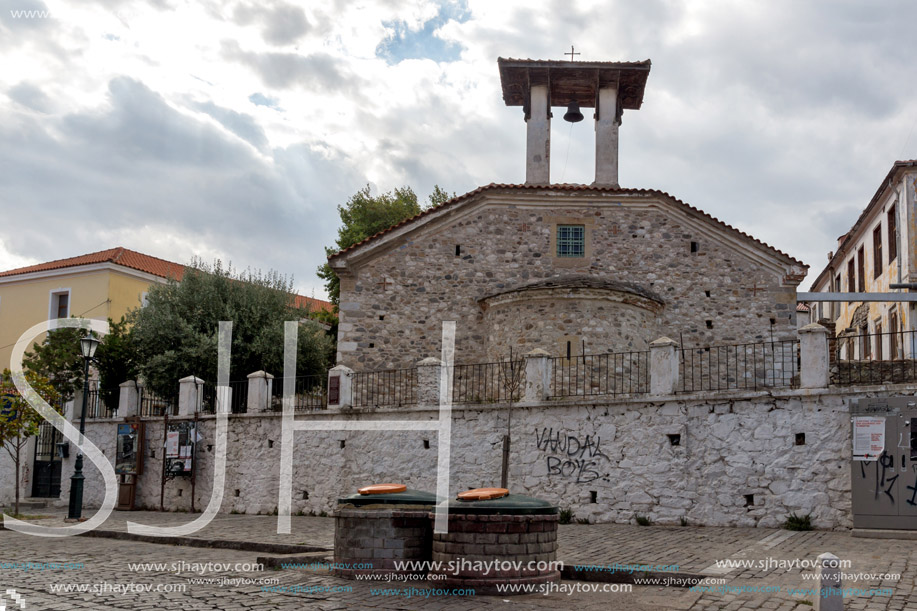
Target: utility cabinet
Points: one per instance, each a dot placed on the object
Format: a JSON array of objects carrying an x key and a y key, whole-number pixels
[{"x": 883, "y": 469}]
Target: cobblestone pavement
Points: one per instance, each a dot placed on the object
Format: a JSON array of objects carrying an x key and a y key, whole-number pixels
[{"x": 767, "y": 555}]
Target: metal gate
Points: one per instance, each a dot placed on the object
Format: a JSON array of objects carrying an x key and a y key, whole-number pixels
[
  {"x": 884, "y": 481},
  {"x": 47, "y": 465}
]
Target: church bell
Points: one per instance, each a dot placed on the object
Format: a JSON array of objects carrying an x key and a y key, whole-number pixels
[{"x": 573, "y": 115}]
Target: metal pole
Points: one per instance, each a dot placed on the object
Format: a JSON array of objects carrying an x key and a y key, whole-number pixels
[{"x": 75, "y": 510}]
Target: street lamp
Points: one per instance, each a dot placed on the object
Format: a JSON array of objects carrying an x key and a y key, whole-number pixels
[{"x": 88, "y": 347}]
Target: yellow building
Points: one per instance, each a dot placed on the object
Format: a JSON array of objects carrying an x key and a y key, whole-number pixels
[{"x": 100, "y": 285}]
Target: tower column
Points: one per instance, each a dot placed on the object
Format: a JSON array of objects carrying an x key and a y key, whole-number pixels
[
  {"x": 606, "y": 137},
  {"x": 538, "y": 137}
]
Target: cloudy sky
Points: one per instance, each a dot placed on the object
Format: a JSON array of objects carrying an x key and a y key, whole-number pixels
[{"x": 233, "y": 129}]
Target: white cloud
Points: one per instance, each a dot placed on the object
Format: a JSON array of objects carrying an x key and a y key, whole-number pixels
[{"x": 235, "y": 128}]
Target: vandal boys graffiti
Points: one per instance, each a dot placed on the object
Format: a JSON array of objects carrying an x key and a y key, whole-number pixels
[{"x": 571, "y": 456}]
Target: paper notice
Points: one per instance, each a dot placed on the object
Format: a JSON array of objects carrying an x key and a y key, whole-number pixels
[
  {"x": 868, "y": 437},
  {"x": 172, "y": 443}
]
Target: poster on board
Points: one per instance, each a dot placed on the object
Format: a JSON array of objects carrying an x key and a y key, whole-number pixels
[
  {"x": 180, "y": 440},
  {"x": 129, "y": 448},
  {"x": 868, "y": 437}
]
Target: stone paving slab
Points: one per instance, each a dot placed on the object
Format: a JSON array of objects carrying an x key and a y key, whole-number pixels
[{"x": 767, "y": 554}]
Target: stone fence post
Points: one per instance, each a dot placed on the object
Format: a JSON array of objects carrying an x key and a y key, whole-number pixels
[
  {"x": 128, "y": 399},
  {"x": 663, "y": 366},
  {"x": 537, "y": 376},
  {"x": 813, "y": 356},
  {"x": 340, "y": 387},
  {"x": 260, "y": 388},
  {"x": 829, "y": 583},
  {"x": 190, "y": 395},
  {"x": 429, "y": 376}
]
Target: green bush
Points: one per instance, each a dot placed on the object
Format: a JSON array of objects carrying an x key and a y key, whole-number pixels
[
  {"x": 643, "y": 520},
  {"x": 795, "y": 522},
  {"x": 566, "y": 516}
]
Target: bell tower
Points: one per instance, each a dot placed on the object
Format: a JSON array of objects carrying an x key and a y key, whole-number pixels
[{"x": 537, "y": 85}]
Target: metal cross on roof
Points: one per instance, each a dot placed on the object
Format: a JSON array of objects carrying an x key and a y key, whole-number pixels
[{"x": 571, "y": 53}]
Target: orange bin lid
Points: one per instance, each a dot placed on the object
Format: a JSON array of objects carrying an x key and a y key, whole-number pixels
[
  {"x": 382, "y": 489},
  {"x": 483, "y": 494}
]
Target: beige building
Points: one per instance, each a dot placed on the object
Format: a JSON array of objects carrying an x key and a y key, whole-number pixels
[
  {"x": 99, "y": 285},
  {"x": 879, "y": 250},
  {"x": 571, "y": 269}
]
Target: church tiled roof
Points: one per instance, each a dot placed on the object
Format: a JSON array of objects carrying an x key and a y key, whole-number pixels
[{"x": 567, "y": 187}]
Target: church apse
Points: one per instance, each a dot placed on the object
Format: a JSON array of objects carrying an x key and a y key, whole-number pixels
[{"x": 570, "y": 314}]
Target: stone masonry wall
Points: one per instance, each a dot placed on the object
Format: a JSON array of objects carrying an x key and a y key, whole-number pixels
[
  {"x": 608, "y": 460},
  {"x": 536, "y": 322},
  {"x": 393, "y": 304}
]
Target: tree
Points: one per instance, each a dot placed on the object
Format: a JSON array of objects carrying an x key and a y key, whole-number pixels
[
  {"x": 117, "y": 361},
  {"x": 512, "y": 372},
  {"x": 176, "y": 333},
  {"x": 58, "y": 359},
  {"x": 18, "y": 421},
  {"x": 365, "y": 215}
]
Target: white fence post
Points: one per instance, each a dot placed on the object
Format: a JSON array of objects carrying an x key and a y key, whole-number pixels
[
  {"x": 428, "y": 381},
  {"x": 340, "y": 386},
  {"x": 537, "y": 376},
  {"x": 813, "y": 356},
  {"x": 190, "y": 395},
  {"x": 663, "y": 366},
  {"x": 260, "y": 387},
  {"x": 128, "y": 399}
]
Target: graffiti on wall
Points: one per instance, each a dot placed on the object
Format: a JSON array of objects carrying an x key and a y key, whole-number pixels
[{"x": 570, "y": 456}]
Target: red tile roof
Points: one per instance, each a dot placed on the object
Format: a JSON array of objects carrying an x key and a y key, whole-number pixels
[
  {"x": 118, "y": 256},
  {"x": 313, "y": 304},
  {"x": 568, "y": 187},
  {"x": 141, "y": 262}
]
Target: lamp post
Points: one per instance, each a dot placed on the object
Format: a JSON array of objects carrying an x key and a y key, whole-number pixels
[{"x": 88, "y": 347}]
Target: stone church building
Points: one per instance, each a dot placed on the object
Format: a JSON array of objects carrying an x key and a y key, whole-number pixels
[{"x": 571, "y": 269}]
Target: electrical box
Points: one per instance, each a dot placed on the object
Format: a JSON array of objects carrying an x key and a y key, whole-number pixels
[{"x": 883, "y": 475}]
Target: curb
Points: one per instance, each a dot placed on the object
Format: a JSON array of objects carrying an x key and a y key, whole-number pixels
[
  {"x": 247, "y": 546},
  {"x": 273, "y": 562},
  {"x": 647, "y": 578}
]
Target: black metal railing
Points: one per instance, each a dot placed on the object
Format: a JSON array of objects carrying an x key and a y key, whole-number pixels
[
  {"x": 238, "y": 401},
  {"x": 388, "y": 388},
  {"x": 153, "y": 405},
  {"x": 310, "y": 394},
  {"x": 739, "y": 367},
  {"x": 875, "y": 358},
  {"x": 488, "y": 382},
  {"x": 600, "y": 374},
  {"x": 95, "y": 407}
]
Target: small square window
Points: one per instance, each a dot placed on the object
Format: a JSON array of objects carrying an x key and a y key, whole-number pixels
[{"x": 571, "y": 240}]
